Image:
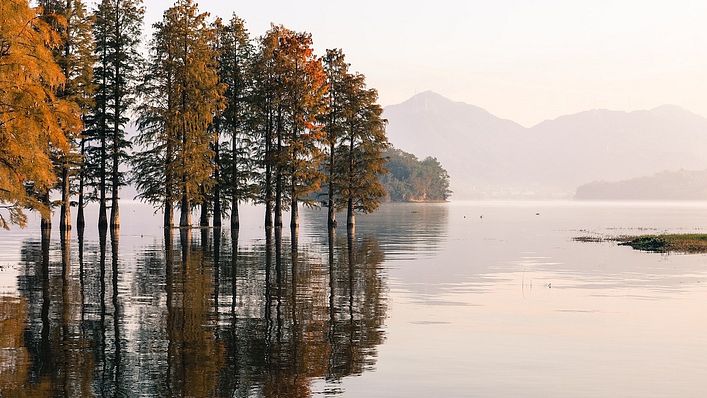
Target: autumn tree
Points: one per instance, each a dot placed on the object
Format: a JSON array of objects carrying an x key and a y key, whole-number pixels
[
  {"x": 290, "y": 88},
  {"x": 305, "y": 85},
  {"x": 154, "y": 172},
  {"x": 267, "y": 110},
  {"x": 175, "y": 138},
  {"x": 34, "y": 121},
  {"x": 117, "y": 29},
  {"x": 236, "y": 168},
  {"x": 75, "y": 58},
  {"x": 360, "y": 151},
  {"x": 337, "y": 72}
]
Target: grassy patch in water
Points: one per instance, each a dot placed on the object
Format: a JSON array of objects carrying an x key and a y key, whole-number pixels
[{"x": 683, "y": 243}]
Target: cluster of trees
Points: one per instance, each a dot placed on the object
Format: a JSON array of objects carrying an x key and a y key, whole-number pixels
[
  {"x": 413, "y": 180},
  {"x": 222, "y": 118}
]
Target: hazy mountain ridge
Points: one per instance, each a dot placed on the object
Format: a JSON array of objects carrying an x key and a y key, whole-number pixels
[
  {"x": 667, "y": 185},
  {"x": 490, "y": 157}
]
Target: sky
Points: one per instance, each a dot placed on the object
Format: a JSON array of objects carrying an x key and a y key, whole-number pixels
[{"x": 524, "y": 60}]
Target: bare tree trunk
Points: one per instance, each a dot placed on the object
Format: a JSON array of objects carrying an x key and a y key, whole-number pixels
[
  {"x": 350, "y": 217},
  {"x": 331, "y": 211},
  {"x": 114, "y": 210},
  {"x": 46, "y": 223},
  {"x": 185, "y": 217},
  {"x": 278, "y": 173},
  {"x": 102, "y": 217},
  {"x": 169, "y": 187},
  {"x": 168, "y": 214},
  {"x": 204, "y": 219},
  {"x": 80, "y": 220},
  {"x": 294, "y": 210},
  {"x": 235, "y": 222},
  {"x": 268, "y": 168},
  {"x": 217, "y": 177},
  {"x": 65, "y": 216}
]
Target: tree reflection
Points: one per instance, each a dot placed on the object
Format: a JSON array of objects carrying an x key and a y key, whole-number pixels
[{"x": 202, "y": 316}]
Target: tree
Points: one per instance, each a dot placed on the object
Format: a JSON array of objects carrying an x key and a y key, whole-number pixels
[
  {"x": 33, "y": 120},
  {"x": 305, "y": 87},
  {"x": 290, "y": 88},
  {"x": 235, "y": 166},
  {"x": 175, "y": 138},
  {"x": 333, "y": 121},
  {"x": 154, "y": 171},
  {"x": 361, "y": 150},
  {"x": 117, "y": 30},
  {"x": 267, "y": 116},
  {"x": 75, "y": 58}
]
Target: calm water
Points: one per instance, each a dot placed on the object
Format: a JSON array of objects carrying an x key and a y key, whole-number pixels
[{"x": 444, "y": 300}]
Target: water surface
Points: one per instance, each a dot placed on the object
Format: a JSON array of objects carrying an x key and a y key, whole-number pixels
[{"x": 459, "y": 300}]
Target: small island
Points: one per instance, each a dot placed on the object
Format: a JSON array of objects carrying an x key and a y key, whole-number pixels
[
  {"x": 409, "y": 179},
  {"x": 667, "y": 243},
  {"x": 658, "y": 243}
]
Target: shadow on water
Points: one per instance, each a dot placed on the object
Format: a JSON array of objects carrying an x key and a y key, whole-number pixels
[{"x": 191, "y": 315}]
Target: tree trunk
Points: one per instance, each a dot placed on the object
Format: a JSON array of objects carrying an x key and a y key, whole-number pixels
[
  {"x": 217, "y": 174},
  {"x": 168, "y": 214},
  {"x": 294, "y": 212},
  {"x": 169, "y": 188},
  {"x": 268, "y": 169},
  {"x": 350, "y": 218},
  {"x": 65, "y": 216},
  {"x": 185, "y": 217},
  {"x": 235, "y": 222},
  {"x": 278, "y": 174},
  {"x": 46, "y": 223},
  {"x": 204, "y": 219},
  {"x": 102, "y": 217},
  {"x": 80, "y": 220},
  {"x": 331, "y": 212}
]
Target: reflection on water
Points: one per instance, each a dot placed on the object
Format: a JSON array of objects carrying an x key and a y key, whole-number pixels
[
  {"x": 197, "y": 316},
  {"x": 449, "y": 300}
]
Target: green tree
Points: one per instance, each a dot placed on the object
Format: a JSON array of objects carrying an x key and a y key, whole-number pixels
[
  {"x": 267, "y": 101},
  {"x": 175, "y": 130},
  {"x": 412, "y": 180},
  {"x": 360, "y": 152},
  {"x": 235, "y": 160},
  {"x": 154, "y": 171},
  {"x": 337, "y": 71},
  {"x": 117, "y": 29}
]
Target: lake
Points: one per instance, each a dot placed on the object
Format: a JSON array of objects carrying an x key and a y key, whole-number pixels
[{"x": 463, "y": 299}]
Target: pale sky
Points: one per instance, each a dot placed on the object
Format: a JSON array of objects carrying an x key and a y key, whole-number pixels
[{"x": 523, "y": 60}]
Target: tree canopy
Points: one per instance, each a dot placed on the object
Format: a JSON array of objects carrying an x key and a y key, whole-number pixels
[
  {"x": 413, "y": 180},
  {"x": 34, "y": 121}
]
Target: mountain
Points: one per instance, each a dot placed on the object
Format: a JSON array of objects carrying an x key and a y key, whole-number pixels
[
  {"x": 490, "y": 157},
  {"x": 667, "y": 185}
]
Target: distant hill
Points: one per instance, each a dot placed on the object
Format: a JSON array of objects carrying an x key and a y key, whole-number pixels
[
  {"x": 490, "y": 157},
  {"x": 667, "y": 185}
]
